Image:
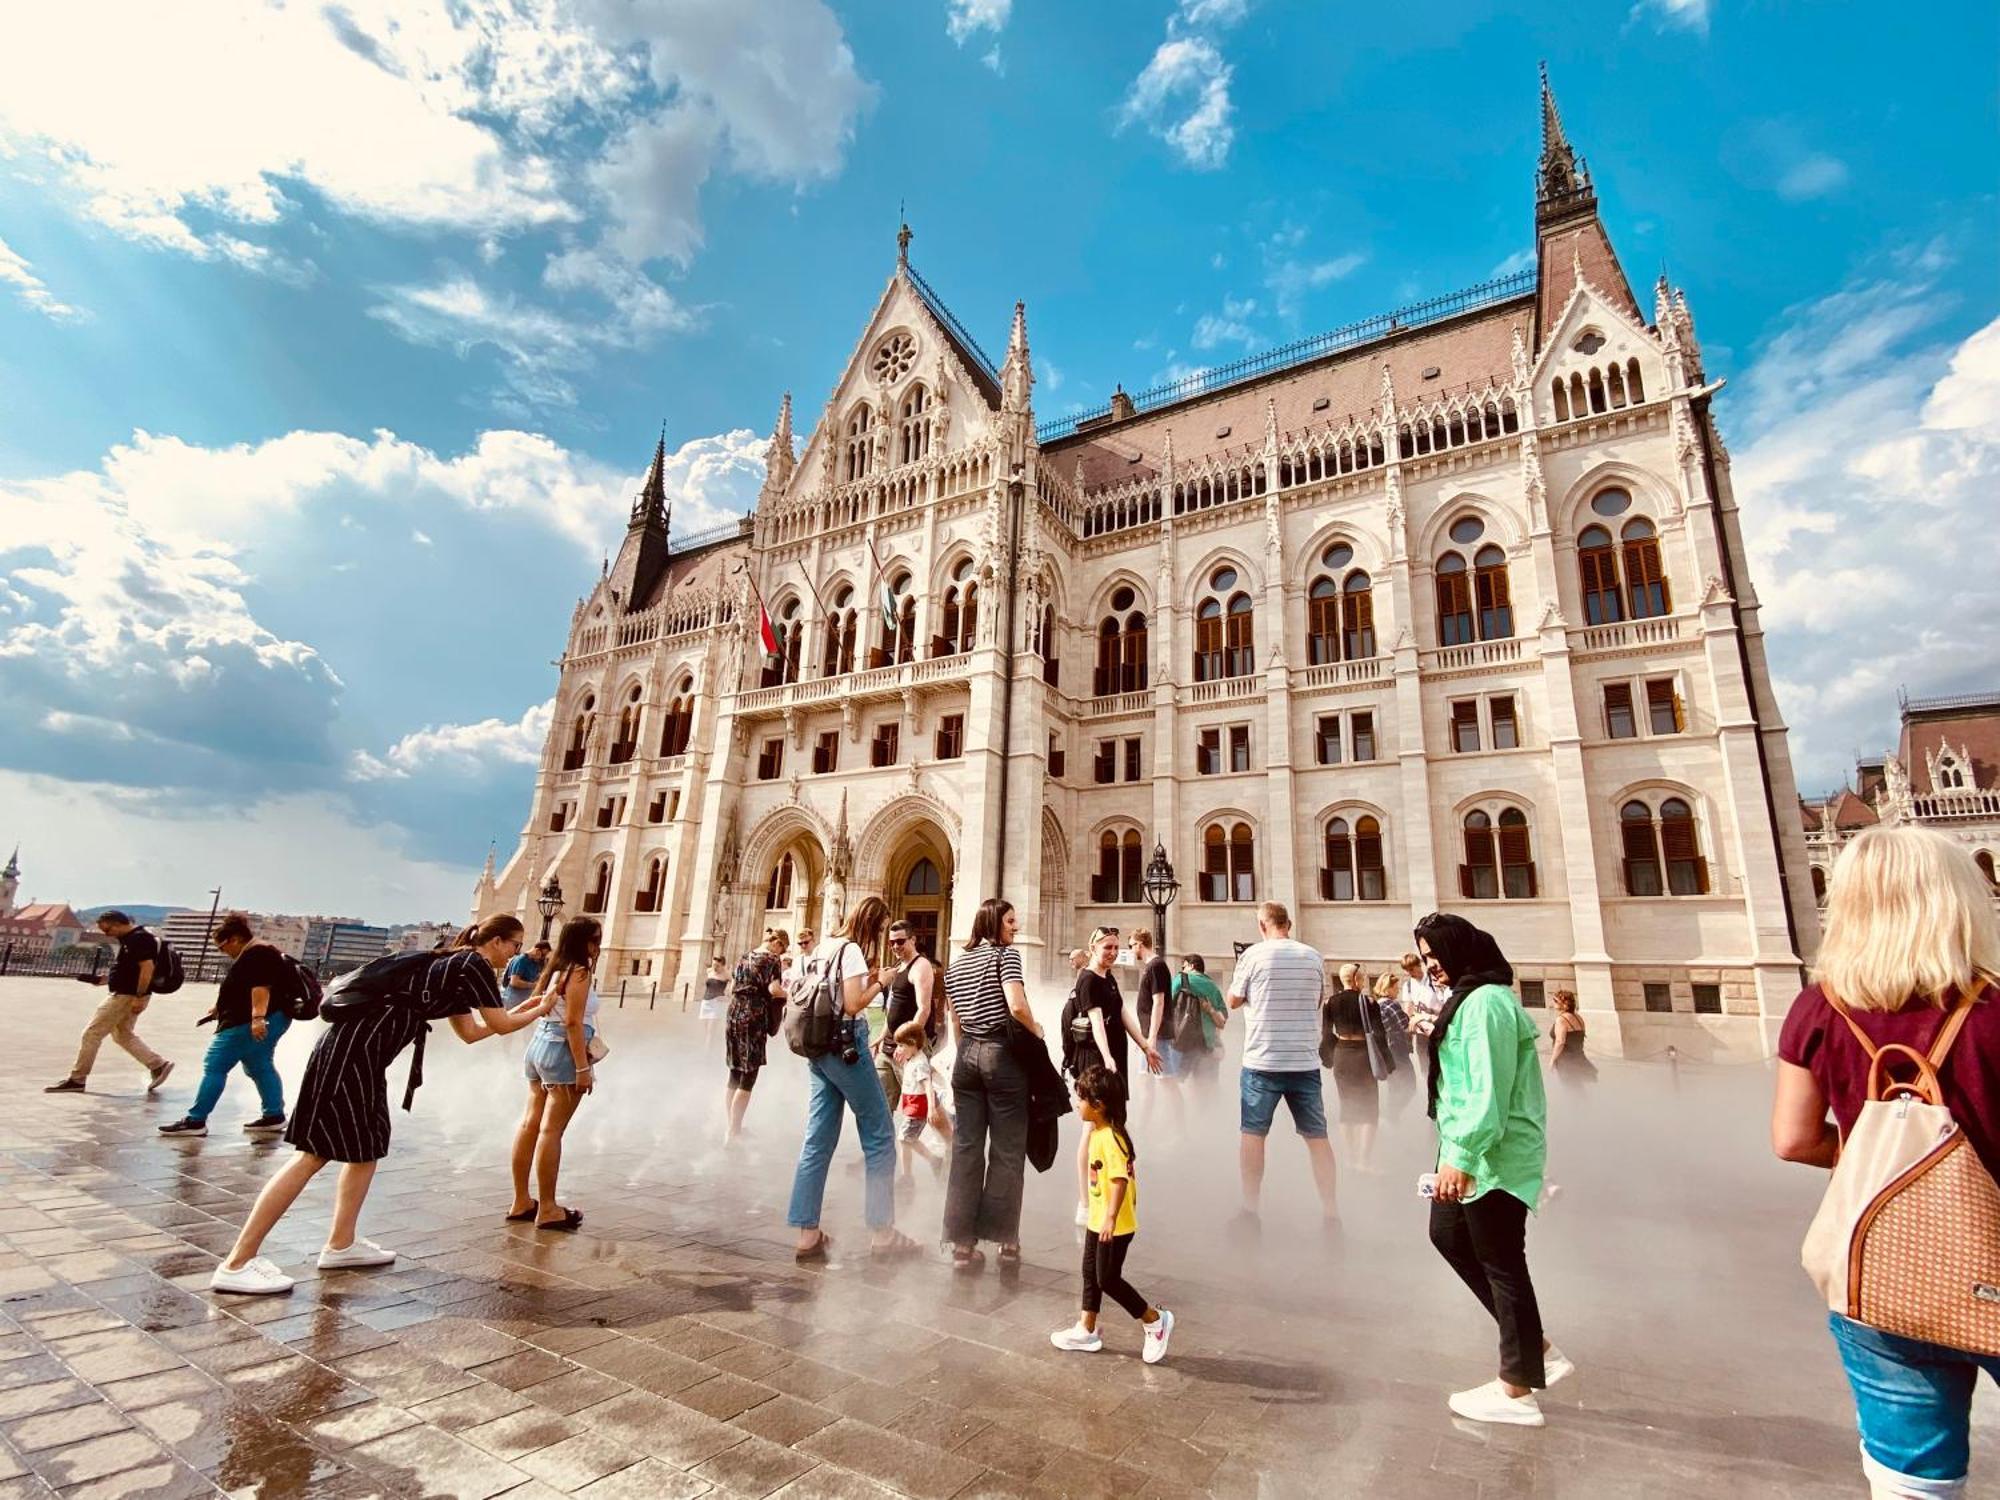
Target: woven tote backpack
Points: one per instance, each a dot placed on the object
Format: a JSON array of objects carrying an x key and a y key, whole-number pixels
[{"x": 1907, "y": 1239}]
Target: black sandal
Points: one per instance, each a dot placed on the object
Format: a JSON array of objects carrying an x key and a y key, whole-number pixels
[
  {"x": 569, "y": 1223},
  {"x": 815, "y": 1251},
  {"x": 525, "y": 1214}
]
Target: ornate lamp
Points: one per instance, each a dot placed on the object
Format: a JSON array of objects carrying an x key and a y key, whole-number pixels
[
  {"x": 549, "y": 904},
  {"x": 1161, "y": 889}
]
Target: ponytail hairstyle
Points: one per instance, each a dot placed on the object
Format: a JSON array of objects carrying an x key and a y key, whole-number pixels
[
  {"x": 493, "y": 929},
  {"x": 1106, "y": 1090}
]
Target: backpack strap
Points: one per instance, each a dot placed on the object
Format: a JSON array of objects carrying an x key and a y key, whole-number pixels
[
  {"x": 1881, "y": 1084},
  {"x": 1953, "y": 1025}
]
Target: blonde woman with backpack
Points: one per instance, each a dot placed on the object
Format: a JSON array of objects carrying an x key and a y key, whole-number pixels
[{"x": 1911, "y": 940}]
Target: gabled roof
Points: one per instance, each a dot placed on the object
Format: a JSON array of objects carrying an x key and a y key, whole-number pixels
[
  {"x": 984, "y": 373},
  {"x": 50, "y": 914},
  {"x": 1845, "y": 810},
  {"x": 1971, "y": 724}
]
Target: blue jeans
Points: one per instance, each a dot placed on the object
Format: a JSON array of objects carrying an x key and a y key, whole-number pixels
[
  {"x": 854, "y": 1083},
  {"x": 235, "y": 1045},
  {"x": 1913, "y": 1402},
  {"x": 1259, "y": 1093}
]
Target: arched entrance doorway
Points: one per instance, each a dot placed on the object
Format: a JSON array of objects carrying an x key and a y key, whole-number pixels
[
  {"x": 906, "y": 855},
  {"x": 791, "y": 888},
  {"x": 922, "y": 905}
]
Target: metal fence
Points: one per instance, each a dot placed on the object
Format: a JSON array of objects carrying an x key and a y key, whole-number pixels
[{"x": 39, "y": 961}]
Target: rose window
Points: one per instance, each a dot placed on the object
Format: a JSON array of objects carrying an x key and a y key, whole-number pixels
[{"x": 894, "y": 357}]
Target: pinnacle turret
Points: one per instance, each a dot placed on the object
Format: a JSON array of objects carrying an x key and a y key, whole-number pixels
[
  {"x": 779, "y": 460},
  {"x": 1562, "y": 181},
  {"x": 1017, "y": 377},
  {"x": 651, "y": 503}
]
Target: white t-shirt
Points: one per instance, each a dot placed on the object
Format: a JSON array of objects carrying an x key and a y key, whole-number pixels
[
  {"x": 917, "y": 1075},
  {"x": 1280, "y": 981}
]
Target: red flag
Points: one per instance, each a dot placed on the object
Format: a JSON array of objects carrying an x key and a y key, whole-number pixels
[{"x": 764, "y": 630}]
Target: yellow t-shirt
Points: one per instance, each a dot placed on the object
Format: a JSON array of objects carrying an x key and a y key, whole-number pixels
[{"x": 1108, "y": 1163}]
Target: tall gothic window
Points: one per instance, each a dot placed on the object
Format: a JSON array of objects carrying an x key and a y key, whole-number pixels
[
  {"x": 1340, "y": 610},
  {"x": 1499, "y": 860},
  {"x": 838, "y": 657},
  {"x": 899, "y": 644},
  {"x": 914, "y": 425},
  {"x": 1121, "y": 646},
  {"x": 789, "y": 628},
  {"x": 1228, "y": 862},
  {"x": 1663, "y": 842},
  {"x": 1597, "y": 572},
  {"x": 1646, "y": 593},
  {"x": 579, "y": 734},
  {"x": 1223, "y": 630},
  {"x": 626, "y": 744},
  {"x": 650, "y": 894},
  {"x": 778, "y": 895},
  {"x": 860, "y": 443},
  {"x": 958, "y": 620},
  {"x": 1353, "y": 868},
  {"x": 1474, "y": 605},
  {"x": 679, "y": 723},
  {"x": 598, "y": 897},
  {"x": 1118, "y": 879}
]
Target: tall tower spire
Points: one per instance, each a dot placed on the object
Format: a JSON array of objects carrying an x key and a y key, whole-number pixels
[
  {"x": 1017, "y": 376},
  {"x": 642, "y": 556},
  {"x": 651, "y": 501},
  {"x": 10, "y": 883},
  {"x": 1568, "y": 234},
  {"x": 779, "y": 460}
]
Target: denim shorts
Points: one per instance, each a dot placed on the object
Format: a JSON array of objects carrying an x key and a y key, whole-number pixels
[
  {"x": 1260, "y": 1093},
  {"x": 1170, "y": 1059},
  {"x": 1913, "y": 1402},
  {"x": 547, "y": 1061}
]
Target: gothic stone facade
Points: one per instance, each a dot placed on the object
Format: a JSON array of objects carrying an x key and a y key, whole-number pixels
[{"x": 1450, "y": 609}]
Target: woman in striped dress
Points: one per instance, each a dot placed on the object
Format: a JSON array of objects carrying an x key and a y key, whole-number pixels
[{"x": 343, "y": 1106}]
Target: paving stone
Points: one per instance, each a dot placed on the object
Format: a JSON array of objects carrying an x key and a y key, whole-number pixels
[
  {"x": 441, "y": 1464},
  {"x": 72, "y": 1424},
  {"x": 754, "y": 1468},
  {"x": 910, "y": 1467},
  {"x": 649, "y": 1479},
  {"x": 578, "y": 1461}
]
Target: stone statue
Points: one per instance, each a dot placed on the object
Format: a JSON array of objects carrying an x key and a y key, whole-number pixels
[{"x": 1899, "y": 806}]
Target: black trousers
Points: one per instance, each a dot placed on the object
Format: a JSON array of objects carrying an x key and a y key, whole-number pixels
[
  {"x": 1104, "y": 1275},
  {"x": 989, "y": 1146},
  {"x": 1486, "y": 1242}
]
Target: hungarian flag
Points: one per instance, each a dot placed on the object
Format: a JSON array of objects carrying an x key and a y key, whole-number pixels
[
  {"x": 765, "y": 633},
  {"x": 888, "y": 594}
]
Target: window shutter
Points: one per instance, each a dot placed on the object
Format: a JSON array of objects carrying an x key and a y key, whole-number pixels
[{"x": 1465, "y": 881}]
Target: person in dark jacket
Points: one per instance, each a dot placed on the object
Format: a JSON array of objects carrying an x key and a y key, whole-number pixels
[
  {"x": 251, "y": 1014},
  {"x": 131, "y": 985}
]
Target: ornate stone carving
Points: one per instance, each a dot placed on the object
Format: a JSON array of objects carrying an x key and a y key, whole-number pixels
[
  {"x": 725, "y": 860},
  {"x": 1533, "y": 483},
  {"x": 1521, "y": 362},
  {"x": 1552, "y": 618},
  {"x": 1898, "y": 805},
  {"x": 1715, "y": 591}
]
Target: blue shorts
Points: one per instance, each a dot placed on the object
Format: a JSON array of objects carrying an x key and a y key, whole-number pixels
[
  {"x": 1260, "y": 1093},
  {"x": 547, "y": 1061},
  {"x": 1913, "y": 1403},
  {"x": 1170, "y": 1059}
]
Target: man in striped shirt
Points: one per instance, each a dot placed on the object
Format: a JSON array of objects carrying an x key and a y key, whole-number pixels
[{"x": 1278, "y": 983}]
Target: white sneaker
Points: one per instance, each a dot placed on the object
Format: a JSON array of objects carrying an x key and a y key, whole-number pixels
[
  {"x": 256, "y": 1277},
  {"x": 1556, "y": 1365},
  {"x": 1489, "y": 1403},
  {"x": 357, "y": 1256},
  {"x": 1157, "y": 1335},
  {"x": 1077, "y": 1339}
]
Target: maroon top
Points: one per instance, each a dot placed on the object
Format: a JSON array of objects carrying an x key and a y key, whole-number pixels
[{"x": 1816, "y": 1039}]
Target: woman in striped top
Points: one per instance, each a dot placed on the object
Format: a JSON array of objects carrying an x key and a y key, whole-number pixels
[
  {"x": 343, "y": 1106},
  {"x": 987, "y": 992}
]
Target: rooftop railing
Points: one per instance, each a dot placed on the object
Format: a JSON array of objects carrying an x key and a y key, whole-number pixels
[
  {"x": 950, "y": 320},
  {"x": 1302, "y": 351}
]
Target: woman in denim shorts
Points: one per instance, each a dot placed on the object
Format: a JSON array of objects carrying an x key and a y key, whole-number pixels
[{"x": 559, "y": 1075}]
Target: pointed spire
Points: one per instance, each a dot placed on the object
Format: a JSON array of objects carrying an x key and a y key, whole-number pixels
[
  {"x": 13, "y": 869},
  {"x": 650, "y": 506},
  {"x": 1017, "y": 376},
  {"x": 1562, "y": 182},
  {"x": 779, "y": 459}
]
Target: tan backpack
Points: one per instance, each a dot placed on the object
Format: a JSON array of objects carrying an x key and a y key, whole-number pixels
[{"x": 1907, "y": 1239}]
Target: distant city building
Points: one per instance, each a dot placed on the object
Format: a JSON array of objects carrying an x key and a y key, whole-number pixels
[
  {"x": 187, "y": 932},
  {"x": 419, "y": 937},
  {"x": 336, "y": 943},
  {"x": 10, "y": 882},
  {"x": 1945, "y": 775}
]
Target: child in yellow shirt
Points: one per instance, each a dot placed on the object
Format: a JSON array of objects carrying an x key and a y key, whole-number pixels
[{"x": 1113, "y": 1199}]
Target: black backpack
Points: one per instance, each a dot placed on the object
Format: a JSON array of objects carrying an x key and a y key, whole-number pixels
[
  {"x": 304, "y": 1001},
  {"x": 1189, "y": 1037},
  {"x": 816, "y": 1020},
  {"x": 169, "y": 973},
  {"x": 376, "y": 984}
]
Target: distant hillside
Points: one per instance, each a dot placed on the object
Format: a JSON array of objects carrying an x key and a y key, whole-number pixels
[{"x": 144, "y": 915}]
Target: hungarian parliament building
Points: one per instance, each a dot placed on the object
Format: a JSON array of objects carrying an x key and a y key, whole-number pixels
[{"x": 1445, "y": 609}]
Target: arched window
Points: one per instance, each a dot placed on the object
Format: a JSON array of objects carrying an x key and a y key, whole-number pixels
[
  {"x": 1045, "y": 646},
  {"x": 625, "y": 744},
  {"x": 1984, "y": 860},
  {"x": 579, "y": 734},
  {"x": 1353, "y": 861},
  {"x": 1323, "y": 610},
  {"x": 859, "y": 448},
  {"x": 1119, "y": 879},
  {"x": 1357, "y": 616},
  {"x": 914, "y": 432},
  {"x": 679, "y": 722},
  {"x": 924, "y": 880},
  {"x": 1496, "y": 602},
  {"x": 1228, "y": 862},
  {"x": 959, "y": 618},
  {"x": 1597, "y": 571},
  {"x": 1223, "y": 630},
  {"x": 1667, "y": 840},
  {"x": 598, "y": 897},
  {"x": 1499, "y": 860},
  {"x": 1121, "y": 646},
  {"x": 791, "y": 635},
  {"x": 778, "y": 896},
  {"x": 1645, "y": 579},
  {"x": 651, "y": 894},
  {"x": 838, "y": 657},
  {"x": 1454, "y": 602},
  {"x": 899, "y": 643},
  {"x": 1819, "y": 885}
]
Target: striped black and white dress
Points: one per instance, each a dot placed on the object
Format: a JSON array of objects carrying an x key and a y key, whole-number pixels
[
  {"x": 342, "y": 1112},
  {"x": 975, "y": 987}
]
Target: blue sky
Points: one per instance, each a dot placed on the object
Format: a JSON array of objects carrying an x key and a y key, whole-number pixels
[{"x": 332, "y": 338}]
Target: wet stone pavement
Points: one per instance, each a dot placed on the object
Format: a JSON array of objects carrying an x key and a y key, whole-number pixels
[{"x": 673, "y": 1349}]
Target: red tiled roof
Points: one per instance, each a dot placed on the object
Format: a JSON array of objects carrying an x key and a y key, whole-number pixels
[
  {"x": 47, "y": 914},
  {"x": 1975, "y": 730},
  {"x": 1845, "y": 810},
  {"x": 708, "y": 568}
]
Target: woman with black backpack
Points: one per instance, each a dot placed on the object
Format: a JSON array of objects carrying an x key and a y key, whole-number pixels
[
  {"x": 342, "y": 1112},
  {"x": 843, "y": 1078}
]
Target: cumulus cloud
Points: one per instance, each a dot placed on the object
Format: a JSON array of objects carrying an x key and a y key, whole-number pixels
[
  {"x": 463, "y": 749},
  {"x": 1814, "y": 175},
  {"x": 1182, "y": 97},
  {"x": 1292, "y": 271},
  {"x": 965, "y": 19},
  {"x": 1683, "y": 15},
  {"x": 15, "y": 272},
  {"x": 1230, "y": 326},
  {"x": 1872, "y": 448}
]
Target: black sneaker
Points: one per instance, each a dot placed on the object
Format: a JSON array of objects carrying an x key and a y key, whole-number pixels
[
  {"x": 185, "y": 1127},
  {"x": 67, "y": 1086},
  {"x": 159, "y": 1075},
  {"x": 264, "y": 1125}
]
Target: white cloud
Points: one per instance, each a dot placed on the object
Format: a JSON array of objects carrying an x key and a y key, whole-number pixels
[
  {"x": 1228, "y": 326},
  {"x": 966, "y": 18},
  {"x": 1513, "y": 265},
  {"x": 1813, "y": 176},
  {"x": 1687, "y": 15},
  {"x": 1182, "y": 97},
  {"x": 30, "y": 288},
  {"x": 1291, "y": 272},
  {"x": 459, "y": 748},
  {"x": 1213, "y": 12},
  {"x": 1870, "y": 452}
]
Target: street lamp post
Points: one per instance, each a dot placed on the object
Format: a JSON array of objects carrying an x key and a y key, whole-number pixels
[
  {"x": 1161, "y": 889},
  {"x": 207, "y": 933},
  {"x": 549, "y": 904}
]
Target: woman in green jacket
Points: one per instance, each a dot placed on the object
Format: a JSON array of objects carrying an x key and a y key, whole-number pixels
[{"x": 1486, "y": 1100}]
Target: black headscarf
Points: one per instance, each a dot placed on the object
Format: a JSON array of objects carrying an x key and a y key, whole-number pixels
[{"x": 1470, "y": 958}]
